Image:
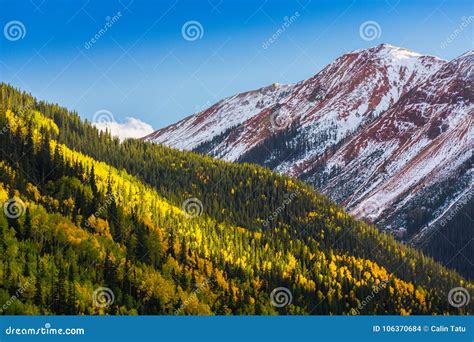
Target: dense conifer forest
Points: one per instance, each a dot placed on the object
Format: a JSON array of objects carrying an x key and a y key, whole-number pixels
[{"x": 178, "y": 233}]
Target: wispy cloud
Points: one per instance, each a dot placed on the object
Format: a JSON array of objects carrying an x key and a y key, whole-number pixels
[{"x": 131, "y": 128}]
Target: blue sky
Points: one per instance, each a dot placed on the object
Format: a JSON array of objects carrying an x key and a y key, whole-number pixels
[{"x": 143, "y": 67}]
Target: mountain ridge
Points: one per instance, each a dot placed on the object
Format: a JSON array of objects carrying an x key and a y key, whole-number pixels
[{"x": 268, "y": 108}]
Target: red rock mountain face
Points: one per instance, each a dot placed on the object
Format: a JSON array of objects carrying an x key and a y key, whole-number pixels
[
  {"x": 386, "y": 132},
  {"x": 342, "y": 96},
  {"x": 416, "y": 155}
]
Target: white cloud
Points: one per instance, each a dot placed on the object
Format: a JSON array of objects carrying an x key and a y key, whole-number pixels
[{"x": 131, "y": 128}]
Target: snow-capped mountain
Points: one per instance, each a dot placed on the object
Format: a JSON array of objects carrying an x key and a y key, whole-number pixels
[
  {"x": 418, "y": 154},
  {"x": 355, "y": 87},
  {"x": 384, "y": 131}
]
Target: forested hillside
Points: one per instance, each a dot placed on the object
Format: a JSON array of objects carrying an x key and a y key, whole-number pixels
[{"x": 172, "y": 232}]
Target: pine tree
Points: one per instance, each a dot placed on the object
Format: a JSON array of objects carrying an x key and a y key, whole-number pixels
[
  {"x": 38, "y": 298},
  {"x": 27, "y": 227},
  {"x": 59, "y": 293},
  {"x": 72, "y": 297}
]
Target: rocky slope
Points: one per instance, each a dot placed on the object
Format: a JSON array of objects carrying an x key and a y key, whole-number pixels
[
  {"x": 419, "y": 147},
  {"x": 354, "y": 88}
]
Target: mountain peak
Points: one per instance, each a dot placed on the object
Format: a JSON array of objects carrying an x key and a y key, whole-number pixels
[
  {"x": 398, "y": 51},
  {"x": 392, "y": 52},
  {"x": 385, "y": 49},
  {"x": 345, "y": 91}
]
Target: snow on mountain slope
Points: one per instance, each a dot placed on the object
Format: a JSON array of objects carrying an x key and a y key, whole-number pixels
[
  {"x": 405, "y": 154},
  {"x": 227, "y": 113},
  {"x": 340, "y": 98}
]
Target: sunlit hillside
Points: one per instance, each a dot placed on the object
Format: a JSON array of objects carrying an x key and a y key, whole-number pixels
[{"x": 170, "y": 232}]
